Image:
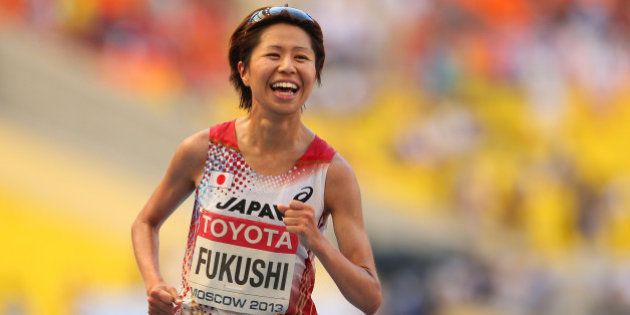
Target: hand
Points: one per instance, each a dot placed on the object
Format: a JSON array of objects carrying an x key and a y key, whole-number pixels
[
  {"x": 163, "y": 299},
  {"x": 299, "y": 218}
]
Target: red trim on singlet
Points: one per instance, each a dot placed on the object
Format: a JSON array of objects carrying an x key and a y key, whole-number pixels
[
  {"x": 301, "y": 302},
  {"x": 318, "y": 150},
  {"x": 305, "y": 302},
  {"x": 225, "y": 134}
]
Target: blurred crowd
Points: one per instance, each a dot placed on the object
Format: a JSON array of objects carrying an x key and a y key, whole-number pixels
[
  {"x": 518, "y": 121},
  {"x": 152, "y": 48}
]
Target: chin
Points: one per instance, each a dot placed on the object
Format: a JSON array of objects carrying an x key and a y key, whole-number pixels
[{"x": 287, "y": 111}]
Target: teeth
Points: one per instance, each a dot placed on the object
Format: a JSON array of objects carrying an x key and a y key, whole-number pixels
[{"x": 285, "y": 85}]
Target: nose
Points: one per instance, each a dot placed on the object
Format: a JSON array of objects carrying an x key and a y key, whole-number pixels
[{"x": 286, "y": 65}]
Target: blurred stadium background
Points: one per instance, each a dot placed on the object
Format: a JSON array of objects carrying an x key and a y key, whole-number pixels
[{"x": 491, "y": 139}]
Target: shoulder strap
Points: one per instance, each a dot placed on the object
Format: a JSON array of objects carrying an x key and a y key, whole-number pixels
[
  {"x": 318, "y": 152},
  {"x": 224, "y": 134}
]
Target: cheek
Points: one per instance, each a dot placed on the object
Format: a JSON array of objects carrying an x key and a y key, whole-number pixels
[
  {"x": 310, "y": 75},
  {"x": 261, "y": 72}
]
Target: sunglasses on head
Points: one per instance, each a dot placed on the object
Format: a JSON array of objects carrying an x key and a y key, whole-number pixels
[{"x": 294, "y": 13}]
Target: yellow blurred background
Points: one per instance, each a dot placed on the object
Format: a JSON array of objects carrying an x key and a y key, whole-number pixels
[{"x": 491, "y": 140}]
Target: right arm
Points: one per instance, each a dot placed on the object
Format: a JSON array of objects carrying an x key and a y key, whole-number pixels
[{"x": 183, "y": 172}]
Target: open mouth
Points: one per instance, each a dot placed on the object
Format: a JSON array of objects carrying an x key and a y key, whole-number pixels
[{"x": 287, "y": 88}]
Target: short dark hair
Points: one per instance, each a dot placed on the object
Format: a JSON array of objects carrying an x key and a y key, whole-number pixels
[{"x": 247, "y": 36}]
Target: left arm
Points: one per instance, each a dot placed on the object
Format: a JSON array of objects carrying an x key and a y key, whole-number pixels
[{"x": 352, "y": 267}]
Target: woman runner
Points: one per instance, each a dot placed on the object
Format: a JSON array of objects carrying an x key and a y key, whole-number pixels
[{"x": 264, "y": 187}]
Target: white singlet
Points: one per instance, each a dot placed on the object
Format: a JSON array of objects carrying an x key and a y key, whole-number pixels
[{"x": 240, "y": 258}]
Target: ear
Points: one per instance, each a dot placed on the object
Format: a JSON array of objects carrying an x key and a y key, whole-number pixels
[{"x": 242, "y": 71}]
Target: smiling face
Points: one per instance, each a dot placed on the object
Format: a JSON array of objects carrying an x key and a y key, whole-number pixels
[{"x": 281, "y": 70}]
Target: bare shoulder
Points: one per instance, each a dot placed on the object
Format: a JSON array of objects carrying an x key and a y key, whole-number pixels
[
  {"x": 342, "y": 188},
  {"x": 190, "y": 156},
  {"x": 195, "y": 146},
  {"x": 339, "y": 171}
]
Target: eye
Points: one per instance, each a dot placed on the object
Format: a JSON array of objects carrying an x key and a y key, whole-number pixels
[
  {"x": 302, "y": 57},
  {"x": 272, "y": 56}
]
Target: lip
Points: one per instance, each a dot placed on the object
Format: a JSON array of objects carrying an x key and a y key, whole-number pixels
[
  {"x": 284, "y": 80},
  {"x": 282, "y": 96}
]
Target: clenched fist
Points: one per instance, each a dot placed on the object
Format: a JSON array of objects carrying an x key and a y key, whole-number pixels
[
  {"x": 299, "y": 218},
  {"x": 163, "y": 299}
]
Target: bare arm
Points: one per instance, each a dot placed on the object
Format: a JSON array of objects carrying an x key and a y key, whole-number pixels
[
  {"x": 352, "y": 267},
  {"x": 176, "y": 185}
]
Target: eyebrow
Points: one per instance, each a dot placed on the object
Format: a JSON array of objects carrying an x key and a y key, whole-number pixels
[{"x": 296, "y": 47}]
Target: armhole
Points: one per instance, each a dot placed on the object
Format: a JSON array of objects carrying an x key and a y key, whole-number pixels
[
  {"x": 206, "y": 163},
  {"x": 325, "y": 210}
]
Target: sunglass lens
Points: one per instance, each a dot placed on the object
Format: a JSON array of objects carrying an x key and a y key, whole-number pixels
[{"x": 293, "y": 12}]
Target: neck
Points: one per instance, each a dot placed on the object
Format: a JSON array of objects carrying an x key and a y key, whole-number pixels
[{"x": 271, "y": 133}]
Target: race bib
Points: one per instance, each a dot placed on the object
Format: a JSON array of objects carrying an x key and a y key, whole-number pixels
[{"x": 242, "y": 265}]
